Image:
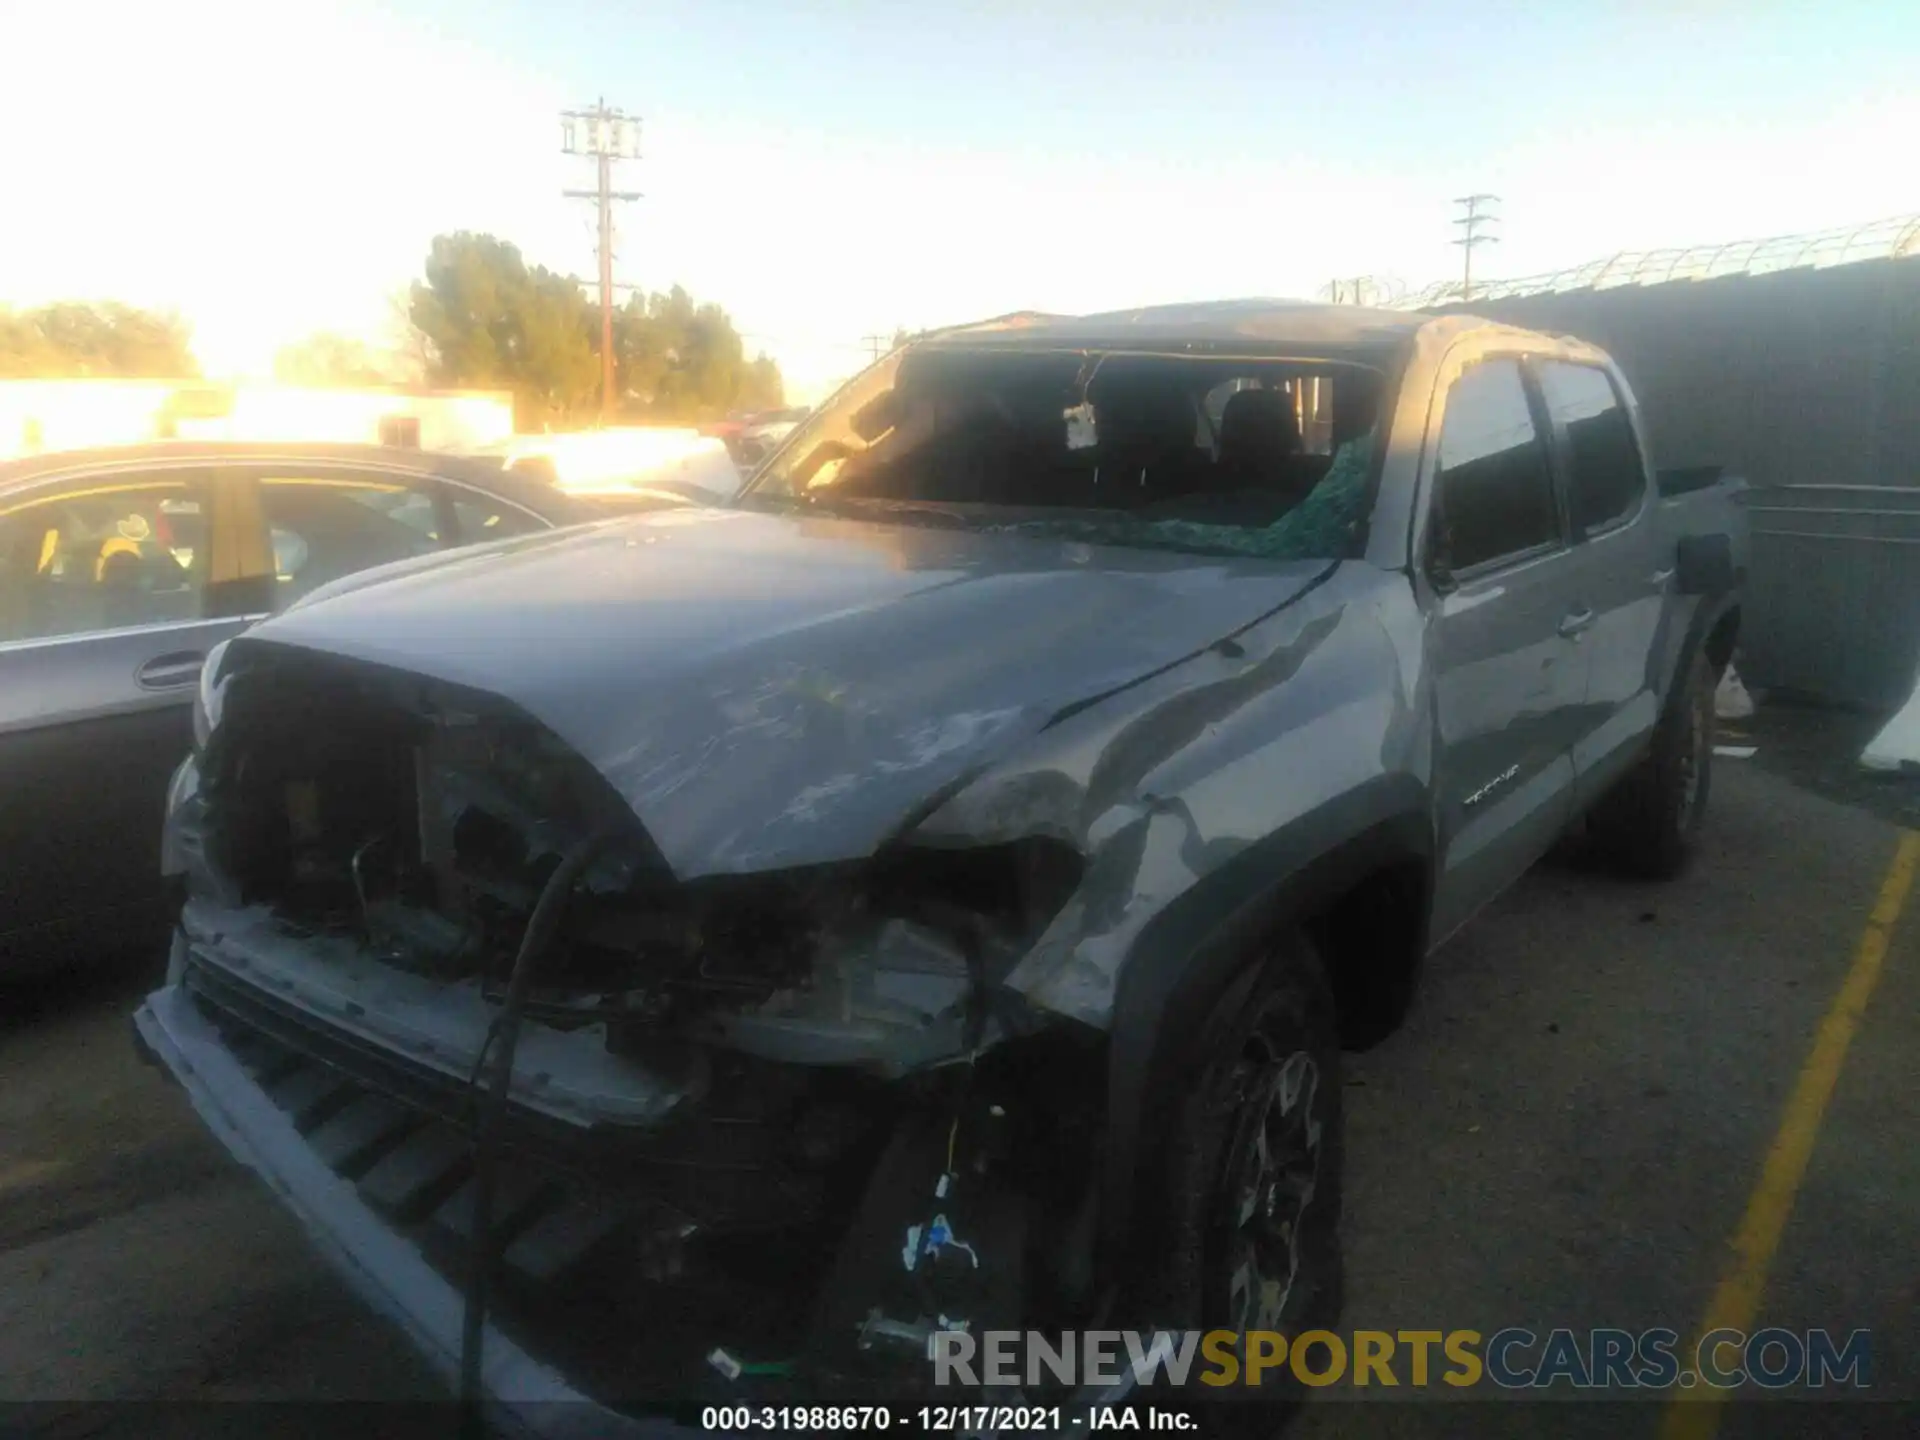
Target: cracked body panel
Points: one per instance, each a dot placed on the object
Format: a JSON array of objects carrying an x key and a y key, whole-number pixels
[
  {"x": 1162, "y": 785},
  {"x": 802, "y": 686}
]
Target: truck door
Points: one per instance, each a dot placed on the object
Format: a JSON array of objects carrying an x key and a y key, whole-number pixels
[
  {"x": 1508, "y": 677},
  {"x": 1616, "y": 574}
]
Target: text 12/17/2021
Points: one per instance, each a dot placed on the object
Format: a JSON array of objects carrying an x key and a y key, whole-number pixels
[{"x": 940, "y": 1419}]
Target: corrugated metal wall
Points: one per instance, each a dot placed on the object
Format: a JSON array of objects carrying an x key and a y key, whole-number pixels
[
  {"x": 1833, "y": 597},
  {"x": 1795, "y": 378}
]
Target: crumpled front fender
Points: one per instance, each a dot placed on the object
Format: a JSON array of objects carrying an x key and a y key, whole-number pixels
[{"x": 1164, "y": 785}]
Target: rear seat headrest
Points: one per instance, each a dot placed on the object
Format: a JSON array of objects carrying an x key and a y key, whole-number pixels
[{"x": 1258, "y": 426}]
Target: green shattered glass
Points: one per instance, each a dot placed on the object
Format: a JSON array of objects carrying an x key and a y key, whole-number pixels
[{"x": 1324, "y": 526}]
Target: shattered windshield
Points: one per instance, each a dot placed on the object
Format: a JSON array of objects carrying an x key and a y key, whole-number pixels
[{"x": 1265, "y": 458}]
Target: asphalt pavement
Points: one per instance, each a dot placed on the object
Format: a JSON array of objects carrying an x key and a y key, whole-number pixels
[{"x": 1569, "y": 1131}]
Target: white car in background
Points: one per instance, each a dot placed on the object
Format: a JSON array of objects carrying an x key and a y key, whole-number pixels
[{"x": 682, "y": 461}]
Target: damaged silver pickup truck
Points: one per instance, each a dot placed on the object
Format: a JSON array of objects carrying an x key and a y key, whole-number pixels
[{"x": 705, "y": 956}]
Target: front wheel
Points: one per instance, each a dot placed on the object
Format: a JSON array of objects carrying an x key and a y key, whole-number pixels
[
  {"x": 1252, "y": 1172},
  {"x": 1648, "y": 823}
]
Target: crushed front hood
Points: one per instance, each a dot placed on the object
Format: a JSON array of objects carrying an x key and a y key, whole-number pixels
[{"x": 767, "y": 691}]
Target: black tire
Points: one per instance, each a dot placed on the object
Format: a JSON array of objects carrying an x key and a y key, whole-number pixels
[
  {"x": 1266, "y": 1066},
  {"x": 1647, "y": 824}
]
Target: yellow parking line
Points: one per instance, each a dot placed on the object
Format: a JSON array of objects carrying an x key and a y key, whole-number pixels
[{"x": 1695, "y": 1414}]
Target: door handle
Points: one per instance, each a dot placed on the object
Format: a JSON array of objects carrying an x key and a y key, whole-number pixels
[
  {"x": 1660, "y": 577},
  {"x": 1576, "y": 622},
  {"x": 171, "y": 671}
]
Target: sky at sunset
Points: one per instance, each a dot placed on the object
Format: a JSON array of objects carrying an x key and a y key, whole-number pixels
[{"x": 832, "y": 170}]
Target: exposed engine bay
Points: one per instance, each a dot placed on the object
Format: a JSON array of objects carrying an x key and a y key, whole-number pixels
[{"x": 798, "y": 1104}]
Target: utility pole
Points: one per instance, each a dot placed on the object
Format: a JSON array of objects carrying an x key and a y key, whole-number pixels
[
  {"x": 873, "y": 344},
  {"x": 1470, "y": 222},
  {"x": 607, "y": 136}
]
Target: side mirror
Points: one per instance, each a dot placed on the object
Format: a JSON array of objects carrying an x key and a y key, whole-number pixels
[{"x": 1704, "y": 564}]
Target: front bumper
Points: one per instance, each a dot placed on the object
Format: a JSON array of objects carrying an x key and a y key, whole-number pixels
[
  {"x": 523, "y": 1396},
  {"x": 252, "y": 1106}
]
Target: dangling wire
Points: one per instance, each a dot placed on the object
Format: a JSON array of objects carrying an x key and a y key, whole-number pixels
[{"x": 501, "y": 1040}]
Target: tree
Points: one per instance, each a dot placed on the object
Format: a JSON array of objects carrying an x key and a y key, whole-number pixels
[
  {"x": 329, "y": 359},
  {"x": 80, "y": 340},
  {"x": 492, "y": 321},
  {"x": 764, "y": 389},
  {"x": 23, "y": 349},
  {"x": 683, "y": 361},
  {"x": 401, "y": 340},
  {"x": 489, "y": 319}
]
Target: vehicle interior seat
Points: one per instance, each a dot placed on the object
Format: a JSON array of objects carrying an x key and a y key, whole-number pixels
[
  {"x": 1147, "y": 450},
  {"x": 122, "y": 550},
  {"x": 122, "y": 585},
  {"x": 1031, "y": 464},
  {"x": 1260, "y": 448}
]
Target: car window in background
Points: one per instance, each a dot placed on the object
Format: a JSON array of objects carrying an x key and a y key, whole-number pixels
[
  {"x": 1607, "y": 475},
  {"x": 327, "y": 527},
  {"x": 94, "y": 555},
  {"x": 481, "y": 518},
  {"x": 1495, "y": 494}
]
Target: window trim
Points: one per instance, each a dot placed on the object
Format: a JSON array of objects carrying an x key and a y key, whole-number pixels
[
  {"x": 1563, "y": 449},
  {"x": 257, "y": 463},
  {"x": 1562, "y": 541},
  {"x": 540, "y": 521},
  {"x": 251, "y": 477},
  {"x": 115, "y": 632},
  {"x": 257, "y": 467}
]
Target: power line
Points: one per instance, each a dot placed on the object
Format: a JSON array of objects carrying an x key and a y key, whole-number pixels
[
  {"x": 1470, "y": 222},
  {"x": 605, "y": 135}
]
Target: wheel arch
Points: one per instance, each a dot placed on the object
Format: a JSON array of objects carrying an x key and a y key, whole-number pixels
[
  {"x": 1712, "y": 630},
  {"x": 1187, "y": 957},
  {"x": 1719, "y": 632}
]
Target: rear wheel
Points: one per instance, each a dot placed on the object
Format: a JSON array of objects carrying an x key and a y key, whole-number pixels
[
  {"x": 1252, "y": 1174},
  {"x": 1648, "y": 823}
]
